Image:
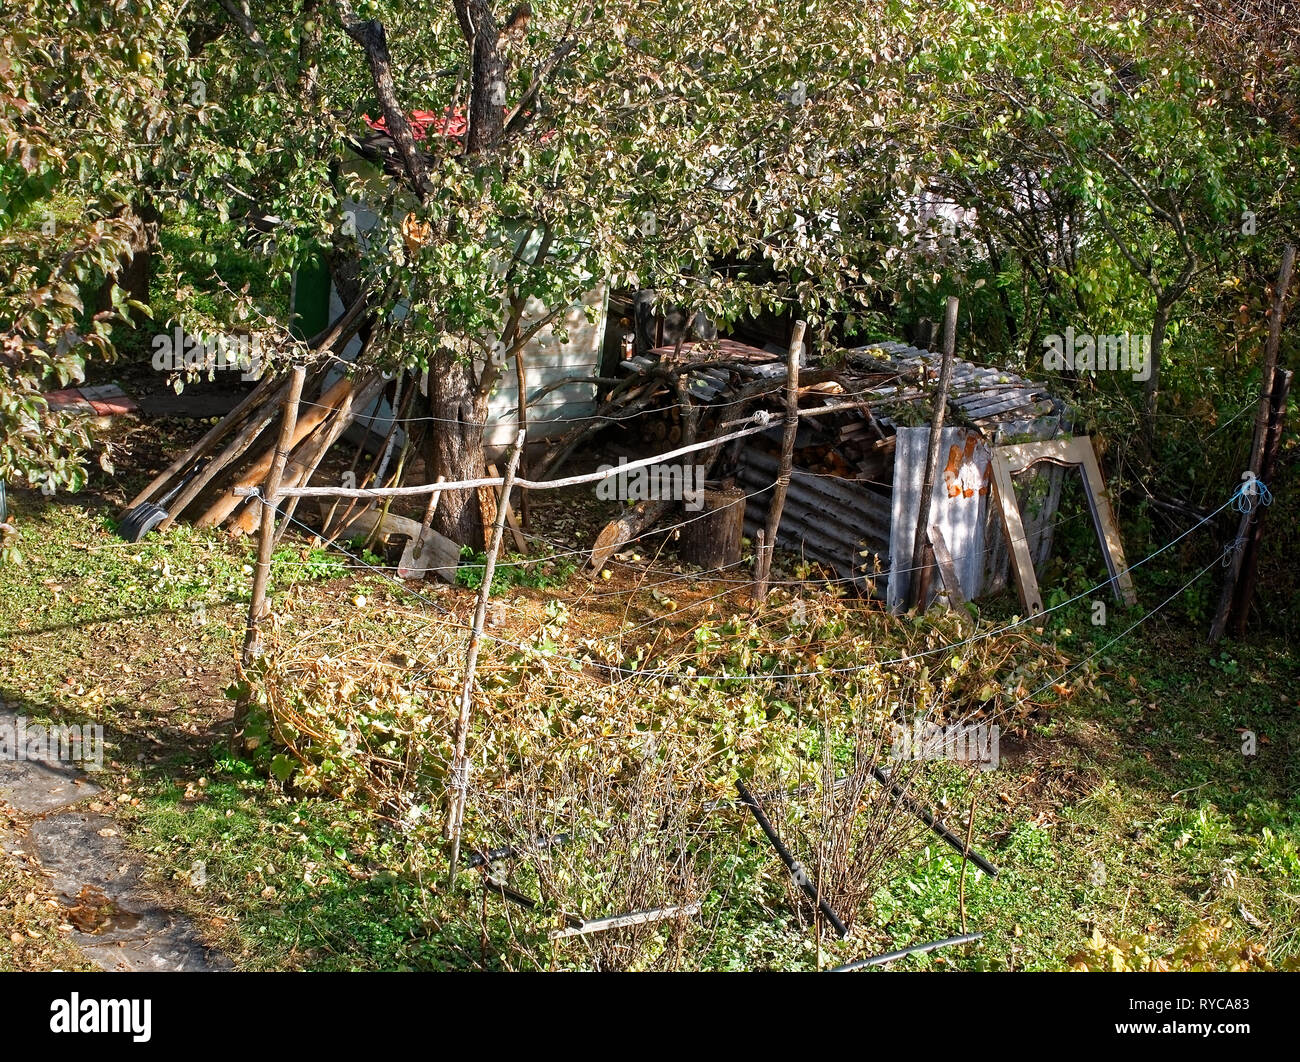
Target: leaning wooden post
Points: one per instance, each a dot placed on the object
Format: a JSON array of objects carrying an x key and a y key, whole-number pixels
[
  {"x": 459, "y": 767},
  {"x": 521, "y": 381},
  {"x": 270, "y": 495},
  {"x": 1272, "y": 452},
  {"x": 1257, "y": 445},
  {"x": 763, "y": 568},
  {"x": 920, "y": 582}
]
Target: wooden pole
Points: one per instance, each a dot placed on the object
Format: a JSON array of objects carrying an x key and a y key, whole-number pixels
[
  {"x": 521, "y": 380},
  {"x": 266, "y": 537},
  {"x": 921, "y": 540},
  {"x": 459, "y": 767},
  {"x": 1257, "y": 444},
  {"x": 1272, "y": 451},
  {"x": 763, "y": 559}
]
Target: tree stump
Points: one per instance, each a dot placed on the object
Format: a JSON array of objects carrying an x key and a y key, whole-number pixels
[{"x": 711, "y": 539}]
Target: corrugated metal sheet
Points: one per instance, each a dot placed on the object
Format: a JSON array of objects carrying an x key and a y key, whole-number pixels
[
  {"x": 835, "y": 520},
  {"x": 962, "y": 519},
  {"x": 851, "y": 528},
  {"x": 826, "y": 519}
]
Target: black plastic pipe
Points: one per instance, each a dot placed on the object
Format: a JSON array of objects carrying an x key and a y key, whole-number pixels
[
  {"x": 916, "y": 809},
  {"x": 795, "y": 871},
  {"x": 477, "y": 859}
]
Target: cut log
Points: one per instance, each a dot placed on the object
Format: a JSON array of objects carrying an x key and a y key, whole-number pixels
[
  {"x": 642, "y": 515},
  {"x": 711, "y": 537}
]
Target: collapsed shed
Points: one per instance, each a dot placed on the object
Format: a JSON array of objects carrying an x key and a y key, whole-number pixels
[{"x": 860, "y": 454}]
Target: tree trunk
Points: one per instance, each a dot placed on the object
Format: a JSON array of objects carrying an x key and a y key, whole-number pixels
[
  {"x": 134, "y": 274},
  {"x": 1158, "y": 323},
  {"x": 453, "y": 448},
  {"x": 488, "y": 85}
]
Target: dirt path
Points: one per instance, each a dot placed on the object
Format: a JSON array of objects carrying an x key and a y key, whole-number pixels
[{"x": 117, "y": 924}]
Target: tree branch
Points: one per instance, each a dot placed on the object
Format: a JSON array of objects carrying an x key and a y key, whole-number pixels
[{"x": 370, "y": 35}]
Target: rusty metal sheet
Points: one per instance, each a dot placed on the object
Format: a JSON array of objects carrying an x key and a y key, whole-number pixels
[{"x": 961, "y": 516}]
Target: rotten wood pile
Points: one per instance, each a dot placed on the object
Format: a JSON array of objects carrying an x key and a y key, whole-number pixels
[{"x": 848, "y": 417}]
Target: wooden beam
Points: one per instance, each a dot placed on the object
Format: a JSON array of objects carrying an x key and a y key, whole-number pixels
[
  {"x": 1004, "y": 492},
  {"x": 947, "y": 570},
  {"x": 1074, "y": 452}
]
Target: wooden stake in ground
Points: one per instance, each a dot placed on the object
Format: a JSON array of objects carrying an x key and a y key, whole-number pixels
[
  {"x": 521, "y": 543},
  {"x": 763, "y": 560},
  {"x": 965, "y": 855},
  {"x": 319, "y": 448},
  {"x": 921, "y": 542},
  {"x": 459, "y": 766},
  {"x": 1257, "y": 445},
  {"x": 270, "y": 495},
  {"x": 521, "y": 380}
]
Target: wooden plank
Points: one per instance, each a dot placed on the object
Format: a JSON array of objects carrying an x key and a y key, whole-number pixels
[
  {"x": 1014, "y": 529},
  {"x": 1104, "y": 519},
  {"x": 1072, "y": 452},
  {"x": 947, "y": 570},
  {"x": 426, "y": 552}
]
